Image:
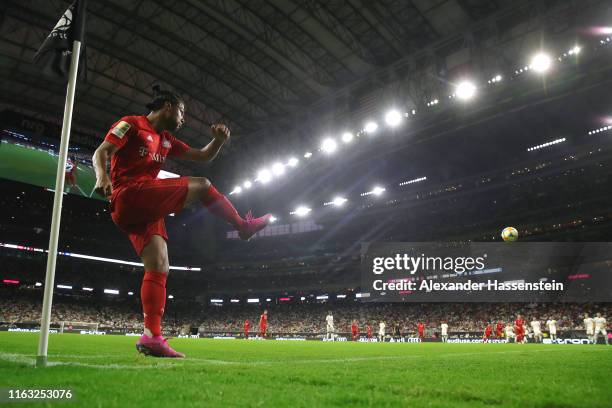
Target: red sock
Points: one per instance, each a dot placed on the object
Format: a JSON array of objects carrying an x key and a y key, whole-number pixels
[
  {"x": 153, "y": 296},
  {"x": 219, "y": 205}
]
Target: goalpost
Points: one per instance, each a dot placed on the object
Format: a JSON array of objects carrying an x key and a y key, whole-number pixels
[{"x": 70, "y": 325}]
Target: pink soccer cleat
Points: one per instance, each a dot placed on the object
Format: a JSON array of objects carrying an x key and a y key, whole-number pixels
[
  {"x": 156, "y": 346},
  {"x": 252, "y": 225}
]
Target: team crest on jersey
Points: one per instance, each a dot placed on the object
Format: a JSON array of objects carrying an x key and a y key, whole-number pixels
[
  {"x": 166, "y": 144},
  {"x": 149, "y": 138},
  {"x": 121, "y": 129}
]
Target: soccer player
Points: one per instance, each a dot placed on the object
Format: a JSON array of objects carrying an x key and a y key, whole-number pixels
[
  {"x": 487, "y": 333},
  {"x": 444, "y": 331},
  {"x": 263, "y": 324},
  {"x": 537, "y": 330},
  {"x": 510, "y": 333},
  {"x": 588, "y": 325},
  {"x": 329, "y": 330},
  {"x": 499, "y": 330},
  {"x": 137, "y": 147},
  {"x": 519, "y": 325},
  {"x": 369, "y": 331},
  {"x": 381, "y": 331},
  {"x": 354, "y": 330},
  {"x": 71, "y": 174},
  {"x": 247, "y": 327},
  {"x": 600, "y": 327},
  {"x": 421, "y": 329},
  {"x": 552, "y": 328}
]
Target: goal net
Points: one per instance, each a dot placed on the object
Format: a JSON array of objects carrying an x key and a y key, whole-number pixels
[{"x": 77, "y": 326}]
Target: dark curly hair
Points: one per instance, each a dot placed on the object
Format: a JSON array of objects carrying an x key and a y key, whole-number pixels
[{"x": 161, "y": 96}]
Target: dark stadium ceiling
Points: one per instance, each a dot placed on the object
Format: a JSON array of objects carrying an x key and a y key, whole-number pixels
[{"x": 263, "y": 66}]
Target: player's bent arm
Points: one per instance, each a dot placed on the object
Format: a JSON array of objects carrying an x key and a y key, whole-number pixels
[
  {"x": 204, "y": 155},
  {"x": 100, "y": 159}
]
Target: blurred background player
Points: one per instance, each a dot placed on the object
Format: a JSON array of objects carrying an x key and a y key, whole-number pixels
[
  {"x": 421, "y": 330},
  {"x": 381, "y": 331},
  {"x": 397, "y": 333},
  {"x": 588, "y": 326},
  {"x": 137, "y": 147},
  {"x": 71, "y": 174},
  {"x": 552, "y": 328},
  {"x": 519, "y": 327},
  {"x": 510, "y": 336},
  {"x": 499, "y": 330},
  {"x": 487, "y": 333},
  {"x": 247, "y": 327},
  {"x": 263, "y": 324},
  {"x": 444, "y": 331},
  {"x": 354, "y": 330},
  {"x": 329, "y": 330},
  {"x": 600, "y": 327},
  {"x": 369, "y": 332},
  {"x": 537, "y": 330}
]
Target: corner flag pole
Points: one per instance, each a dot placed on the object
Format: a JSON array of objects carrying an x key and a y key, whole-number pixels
[{"x": 41, "y": 359}]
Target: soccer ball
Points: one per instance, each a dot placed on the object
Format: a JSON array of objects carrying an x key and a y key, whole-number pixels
[{"x": 509, "y": 234}]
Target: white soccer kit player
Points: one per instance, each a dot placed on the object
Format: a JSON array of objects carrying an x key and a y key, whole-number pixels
[
  {"x": 589, "y": 325},
  {"x": 537, "y": 330},
  {"x": 330, "y": 325},
  {"x": 510, "y": 333},
  {"x": 600, "y": 326},
  {"x": 381, "y": 330},
  {"x": 444, "y": 331},
  {"x": 552, "y": 328}
]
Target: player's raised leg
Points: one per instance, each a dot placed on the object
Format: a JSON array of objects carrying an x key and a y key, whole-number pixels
[
  {"x": 201, "y": 189},
  {"x": 153, "y": 296}
]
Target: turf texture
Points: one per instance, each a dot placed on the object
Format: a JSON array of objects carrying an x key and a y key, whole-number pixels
[{"x": 106, "y": 371}]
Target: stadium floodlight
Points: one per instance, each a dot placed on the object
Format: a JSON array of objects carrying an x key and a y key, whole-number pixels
[
  {"x": 540, "y": 62},
  {"x": 234, "y": 301},
  {"x": 264, "y": 176},
  {"x": 236, "y": 190},
  {"x": 329, "y": 145},
  {"x": 301, "y": 211},
  {"x": 362, "y": 295},
  {"x": 465, "y": 90},
  {"x": 253, "y": 300},
  {"x": 322, "y": 297},
  {"x": 307, "y": 155},
  {"x": 64, "y": 287},
  {"x": 273, "y": 219},
  {"x": 393, "y": 118},
  {"x": 38, "y": 284},
  {"x": 302, "y": 298},
  {"x": 88, "y": 289},
  {"x": 378, "y": 190},
  {"x": 575, "y": 50},
  {"x": 371, "y": 127},
  {"x": 293, "y": 162},
  {"x": 278, "y": 169},
  {"x": 131, "y": 293},
  {"x": 339, "y": 201},
  {"x": 111, "y": 291},
  {"x": 340, "y": 296},
  {"x": 247, "y": 184},
  {"x": 216, "y": 300},
  {"x": 268, "y": 300},
  {"x": 170, "y": 296},
  {"x": 347, "y": 137}
]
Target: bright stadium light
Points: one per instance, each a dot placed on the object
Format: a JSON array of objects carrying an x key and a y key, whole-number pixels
[
  {"x": 301, "y": 211},
  {"x": 371, "y": 127},
  {"x": 293, "y": 162},
  {"x": 339, "y": 201},
  {"x": 38, "y": 284},
  {"x": 88, "y": 289},
  {"x": 131, "y": 293},
  {"x": 264, "y": 176},
  {"x": 378, "y": 190},
  {"x": 253, "y": 300},
  {"x": 340, "y": 296},
  {"x": 322, "y": 297},
  {"x": 111, "y": 291},
  {"x": 247, "y": 184},
  {"x": 302, "y": 298},
  {"x": 268, "y": 300},
  {"x": 170, "y": 297},
  {"x": 465, "y": 90},
  {"x": 307, "y": 155},
  {"x": 234, "y": 300},
  {"x": 64, "y": 287},
  {"x": 329, "y": 145},
  {"x": 393, "y": 118},
  {"x": 236, "y": 190},
  {"x": 278, "y": 169},
  {"x": 216, "y": 300},
  {"x": 347, "y": 137},
  {"x": 273, "y": 219},
  {"x": 575, "y": 50},
  {"x": 540, "y": 63}
]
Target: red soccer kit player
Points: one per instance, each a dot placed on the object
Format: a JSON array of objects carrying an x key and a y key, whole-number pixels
[
  {"x": 263, "y": 323},
  {"x": 354, "y": 330},
  {"x": 421, "y": 328},
  {"x": 499, "y": 329},
  {"x": 519, "y": 324},
  {"x": 369, "y": 330},
  {"x": 71, "y": 169},
  {"x": 487, "y": 333},
  {"x": 247, "y": 327}
]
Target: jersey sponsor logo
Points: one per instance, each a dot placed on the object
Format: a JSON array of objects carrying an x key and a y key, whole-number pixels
[
  {"x": 121, "y": 129},
  {"x": 166, "y": 144},
  {"x": 149, "y": 138}
]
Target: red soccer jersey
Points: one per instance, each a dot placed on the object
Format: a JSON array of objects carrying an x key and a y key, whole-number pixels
[
  {"x": 247, "y": 326},
  {"x": 519, "y": 323},
  {"x": 499, "y": 329},
  {"x": 354, "y": 328},
  {"x": 264, "y": 320},
  {"x": 142, "y": 151},
  {"x": 369, "y": 331},
  {"x": 421, "y": 327},
  {"x": 488, "y": 331},
  {"x": 70, "y": 167}
]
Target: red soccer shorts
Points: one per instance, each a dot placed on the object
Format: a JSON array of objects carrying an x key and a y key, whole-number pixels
[{"x": 139, "y": 209}]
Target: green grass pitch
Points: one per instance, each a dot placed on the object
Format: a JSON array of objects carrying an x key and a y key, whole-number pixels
[{"x": 106, "y": 371}]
